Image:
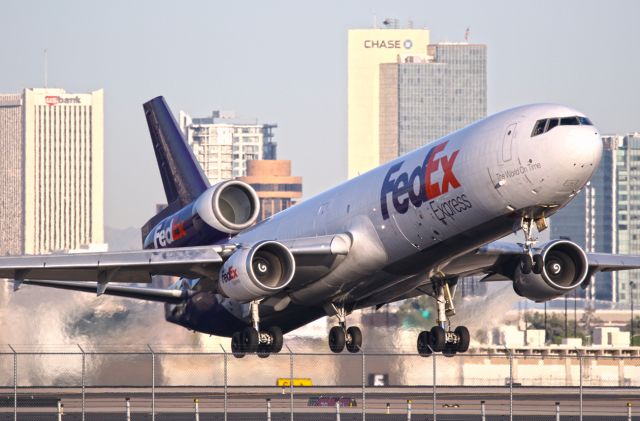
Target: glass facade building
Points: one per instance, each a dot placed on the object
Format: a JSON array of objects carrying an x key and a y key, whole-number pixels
[
  {"x": 605, "y": 216},
  {"x": 423, "y": 99},
  {"x": 589, "y": 221}
]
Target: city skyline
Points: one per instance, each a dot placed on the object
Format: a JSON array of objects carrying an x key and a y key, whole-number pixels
[{"x": 574, "y": 53}]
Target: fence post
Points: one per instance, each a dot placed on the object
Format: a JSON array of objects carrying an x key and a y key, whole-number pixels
[
  {"x": 364, "y": 402},
  {"x": 510, "y": 385},
  {"x": 128, "y": 408},
  {"x": 291, "y": 382},
  {"x": 153, "y": 383},
  {"x": 196, "y": 402},
  {"x": 15, "y": 383},
  {"x": 434, "y": 384},
  {"x": 409, "y": 410},
  {"x": 338, "y": 410},
  {"x": 557, "y": 411},
  {"x": 580, "y": 360},
  {"x": 483, "y": 412},
  {"x": 268, "y": 409},
  {"x": 60, "y": 409},
  {"x": 225, "y": 382},
  {"x": 83, "y": 380}
]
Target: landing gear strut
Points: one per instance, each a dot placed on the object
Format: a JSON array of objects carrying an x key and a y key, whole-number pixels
[
  {"x": 341, "y": 336},
  {"x": 252, "y": 340},
  {"x": 440, "y": 338},
  {"x": 531, "y": 262}
]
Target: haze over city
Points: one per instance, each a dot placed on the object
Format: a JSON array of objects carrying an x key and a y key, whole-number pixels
[{"x": 285, "y": 62}]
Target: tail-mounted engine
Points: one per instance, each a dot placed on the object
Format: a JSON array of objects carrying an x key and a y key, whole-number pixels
[
  {"x": 558, "y": 268},
  {"x": 257, "y": 272},
  {"x": 224, "y": 209}
]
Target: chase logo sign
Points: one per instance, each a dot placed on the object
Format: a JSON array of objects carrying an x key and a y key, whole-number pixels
[
  {"x": 388, "y": 43},
  {"x": 424, "y": 183}
]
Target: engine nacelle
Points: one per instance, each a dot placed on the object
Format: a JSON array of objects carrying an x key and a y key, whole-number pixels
[
  {"x": 257, "y": 272},
  {"x": 565, "y": 267},
  {"x": 224, "y": 209}
]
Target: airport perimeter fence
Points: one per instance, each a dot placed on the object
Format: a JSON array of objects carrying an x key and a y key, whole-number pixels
[{"x": 158, "y": 385}]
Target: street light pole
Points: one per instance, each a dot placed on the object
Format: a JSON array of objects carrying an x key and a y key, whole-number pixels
[{"x": 631, "y": 286}]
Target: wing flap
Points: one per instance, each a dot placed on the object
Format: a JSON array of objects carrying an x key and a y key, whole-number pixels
[{"x": 172, "y": 296}]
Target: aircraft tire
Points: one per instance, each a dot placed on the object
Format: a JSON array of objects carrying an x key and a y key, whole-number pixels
[
  {"x": 538, "y": 264},
  {"x": 423, "y": 344},
  {"x": 526, "y": 265},
  {"x": 278, "y": 340},
  {"x": 236, "y": 345},
  {"x": 449, "y": 350},
  {"x": 263, "y": 351},
  {"x": 355, "y": 343},
  {"x": 464, "y": 338},
  {"x": 337, "y": 339},
  {"x": 437, "y": 338},
  {"x": 249, "y": 340}
]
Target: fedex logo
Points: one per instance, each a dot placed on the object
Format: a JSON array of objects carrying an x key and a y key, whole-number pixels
[
  {"x": 229, "y": 275},
  {"x": 165, "y": 236},
  {"x": 431, "y": 179}
]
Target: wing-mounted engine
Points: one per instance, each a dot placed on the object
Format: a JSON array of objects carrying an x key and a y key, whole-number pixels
[
  {"x": 257, "y": 272},
  {"x": 223, "y": 210},
  {"x": 560, "y": 267}
]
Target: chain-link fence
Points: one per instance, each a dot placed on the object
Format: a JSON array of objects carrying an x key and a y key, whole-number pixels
[{"x": 150, "y": 384}]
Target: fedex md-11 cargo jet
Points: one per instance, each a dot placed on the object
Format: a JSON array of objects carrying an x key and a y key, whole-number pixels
[{"x": 410, "y": 227}]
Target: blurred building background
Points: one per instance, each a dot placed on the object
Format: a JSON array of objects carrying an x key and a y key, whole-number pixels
[
  {"x": 51, "y": 174},
  {"x": 223, "y": 145},
  {"x": 276, "y": 187},
  {"x": 605, "y": 217}
]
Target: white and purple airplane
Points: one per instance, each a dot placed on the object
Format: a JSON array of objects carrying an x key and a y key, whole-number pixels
[{"x": 410, "y": 227}]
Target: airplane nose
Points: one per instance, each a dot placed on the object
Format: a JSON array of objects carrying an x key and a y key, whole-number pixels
[{"x": 580, "y": 154}]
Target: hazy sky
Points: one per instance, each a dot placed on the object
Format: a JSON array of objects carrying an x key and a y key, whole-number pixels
[{"x": 285, "y": 62}]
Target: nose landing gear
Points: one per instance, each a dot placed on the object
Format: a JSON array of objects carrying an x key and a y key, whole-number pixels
[
  {"x": 252, "y": 340},
  {"x": 440, "y": 338}
]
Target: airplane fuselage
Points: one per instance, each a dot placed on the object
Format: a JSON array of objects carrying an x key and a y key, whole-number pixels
[{"x": 411, "y": 216}]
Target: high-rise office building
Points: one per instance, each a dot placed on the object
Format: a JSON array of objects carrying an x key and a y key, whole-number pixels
[
  {"x": 56, "y": 168},
  {"x": 423, "y": 98},
  {"x": 605, "y": 216},
  {"x": 367, "y": 50},
  {"x": 11, "y": 175},
  {"x": 224, "y": 147},
  {"x": 405, "y": 93},
  {"x": 627, "y": 208},
  {"x": 274, "y": 184}
]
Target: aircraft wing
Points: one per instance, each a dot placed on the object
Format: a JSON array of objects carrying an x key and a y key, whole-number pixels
[
  {"x": 92, "y": 272},
  {"x": 126, "y": 266},
  {"x": 498, "y": 259}
]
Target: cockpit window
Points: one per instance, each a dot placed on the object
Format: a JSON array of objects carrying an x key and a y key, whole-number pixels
[
  {"x": 546, "y": 124},
  {"x": 569, "y": 121},
  {"x": 538, "y": 128},
  {"x": 585, "y": 121}
]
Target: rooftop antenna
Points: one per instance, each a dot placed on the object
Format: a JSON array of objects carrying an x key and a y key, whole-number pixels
[
  {"x": 45, "y": 69},
  {"x": 375, "y": 21},
  {"x": 466, "y": 35}
]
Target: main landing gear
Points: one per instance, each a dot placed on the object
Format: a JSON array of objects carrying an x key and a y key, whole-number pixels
[
  {"x": 440, "y": 338},
  {"x": 252, "y": 340},
  {"x": 341, "y": 336}
]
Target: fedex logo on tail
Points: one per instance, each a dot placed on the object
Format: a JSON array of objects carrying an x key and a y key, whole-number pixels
[
  {"x": 165, "y": 235},
  {"x": 433, "y": 178}
]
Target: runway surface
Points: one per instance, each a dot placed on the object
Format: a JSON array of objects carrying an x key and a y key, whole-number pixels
[{"x": 250, "y": 403}]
